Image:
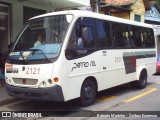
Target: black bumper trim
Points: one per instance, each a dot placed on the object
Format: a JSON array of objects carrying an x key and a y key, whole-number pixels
[{"x": 47, "y": 94}]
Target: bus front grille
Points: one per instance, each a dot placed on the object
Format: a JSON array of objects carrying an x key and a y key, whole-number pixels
[{"x": 25, "y": 81}]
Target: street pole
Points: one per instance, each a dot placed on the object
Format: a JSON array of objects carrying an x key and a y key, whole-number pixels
[{"x": 99, "y": 5}]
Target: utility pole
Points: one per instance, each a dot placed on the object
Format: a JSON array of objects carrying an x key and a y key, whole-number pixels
[
  {"x": 99, "y": 5},
  {"x": 95, "y": 4}
]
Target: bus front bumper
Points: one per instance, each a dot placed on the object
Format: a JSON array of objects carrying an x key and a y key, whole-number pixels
[{"x": 47, "y": 94}]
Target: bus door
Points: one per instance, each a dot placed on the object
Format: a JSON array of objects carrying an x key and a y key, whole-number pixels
[
  {"x": 81, "y": 55},
  {"x": 106, "y": 54}
]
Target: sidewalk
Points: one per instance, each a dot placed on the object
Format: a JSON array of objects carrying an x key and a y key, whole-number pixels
[{"x": 4, "y": 97}]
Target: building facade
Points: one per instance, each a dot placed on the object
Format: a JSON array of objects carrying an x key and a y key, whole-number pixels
[
  {"x": 152, "y": 16},
  {"x": 128, "y": 9}
]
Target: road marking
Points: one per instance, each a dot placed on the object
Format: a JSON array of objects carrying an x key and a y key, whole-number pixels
[
  {"x": 143, "y": 94},
  {"x": 103, "y": 99}
]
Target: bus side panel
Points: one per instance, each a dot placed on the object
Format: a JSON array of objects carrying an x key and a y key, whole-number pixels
[
  {"x": 151, "y": 67},
  {"x": 148, "y": 62},
  {"x": 60, "y": 72},
  {"x": 115, "y": 72},
  {"x": 108, "y": 74},
  {"x": 109, "y": 67},
  {"x": 106, "y": 66},
  {"x": 79, "y": 69}
]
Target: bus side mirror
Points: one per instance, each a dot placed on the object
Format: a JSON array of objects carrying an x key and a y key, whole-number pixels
[{"x": 71, "y": 53}]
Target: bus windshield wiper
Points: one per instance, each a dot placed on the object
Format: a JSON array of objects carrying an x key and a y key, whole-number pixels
[
  {"x": 34, "y": 50},
  {"x": 23, "y": 56}
]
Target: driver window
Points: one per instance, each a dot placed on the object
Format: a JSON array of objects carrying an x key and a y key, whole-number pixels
[{"x": 81, "y": 41}]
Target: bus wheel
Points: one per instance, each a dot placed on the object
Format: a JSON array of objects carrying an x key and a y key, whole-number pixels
[
  {"x": 142, "y": 82},
  {"x": 88, "y": 93}
]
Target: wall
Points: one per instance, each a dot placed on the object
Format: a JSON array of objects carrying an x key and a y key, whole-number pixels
[
  {"x": 136, "y": 8},
  {"x": 139, "y": 9},
  {"x": 122, "y": 15},
  {"x": 16, "y": 17},
  {"x": 152, "y": 15}
]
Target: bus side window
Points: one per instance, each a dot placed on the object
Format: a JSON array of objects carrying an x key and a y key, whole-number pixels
[
  {"x": 121, "y": 35},
  {"x": 132, "y": 39},
  {"x": 81, "y": 41},
  {"x": 87, "y": 37},
  {"x": 71, "y": 52},
  {"x": 149, "y": 38},
  {"x": 137, "y": 38},
  {"x": 104, "y": 34}
]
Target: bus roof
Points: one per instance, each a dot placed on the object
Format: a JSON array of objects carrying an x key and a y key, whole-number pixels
[{"x": 81, "y": 13}]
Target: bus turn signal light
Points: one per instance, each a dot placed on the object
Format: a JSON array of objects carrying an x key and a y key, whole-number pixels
[{"x": 55, "y": 79}]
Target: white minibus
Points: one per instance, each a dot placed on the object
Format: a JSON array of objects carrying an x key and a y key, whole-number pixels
[{"x": 72, "y": 54}]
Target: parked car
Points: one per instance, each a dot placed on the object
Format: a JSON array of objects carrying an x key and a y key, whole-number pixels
[{"x": 158, "y": 65}]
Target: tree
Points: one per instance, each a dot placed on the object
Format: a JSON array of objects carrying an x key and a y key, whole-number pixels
[{"x": 158, "y": 5}]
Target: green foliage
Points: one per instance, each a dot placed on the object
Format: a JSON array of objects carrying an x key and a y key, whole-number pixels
[{"x": 158, "y": 5}]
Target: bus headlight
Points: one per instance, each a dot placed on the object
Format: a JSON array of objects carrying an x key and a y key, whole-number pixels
[
  {"x": 43, "y": 84},
  {"x": 50, "y": 81},
  {"x": 9, "y": 81}
]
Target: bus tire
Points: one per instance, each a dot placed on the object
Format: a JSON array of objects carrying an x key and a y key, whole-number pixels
[
  {"x": 88, "y": 93},
  {"x": 142, "y": 82}
]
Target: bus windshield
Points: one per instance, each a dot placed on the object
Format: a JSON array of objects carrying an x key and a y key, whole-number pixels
[{"x": 42, "y": 38}]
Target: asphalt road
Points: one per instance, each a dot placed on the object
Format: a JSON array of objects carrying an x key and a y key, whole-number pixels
[{"x": 116, "y": 103}]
